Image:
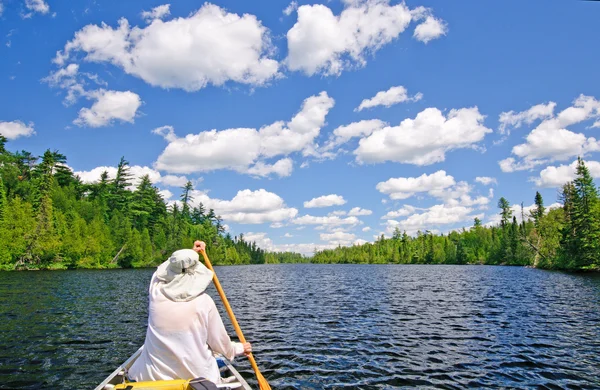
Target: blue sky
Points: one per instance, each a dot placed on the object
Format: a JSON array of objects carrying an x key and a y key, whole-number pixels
[{"x": 312, "y": 124}]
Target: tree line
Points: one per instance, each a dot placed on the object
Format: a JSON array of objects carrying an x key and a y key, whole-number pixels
[
  {"x": 50, "y": 219},
  {"x": 567, "y": 237}
]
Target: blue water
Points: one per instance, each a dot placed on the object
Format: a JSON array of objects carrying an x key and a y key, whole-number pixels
[{"x": 324, "y": 326}]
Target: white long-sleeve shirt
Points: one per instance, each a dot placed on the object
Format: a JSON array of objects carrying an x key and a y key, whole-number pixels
[{"x": 181, "y": 338}]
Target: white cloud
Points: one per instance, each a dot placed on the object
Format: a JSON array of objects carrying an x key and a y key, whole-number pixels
[
  {"x": 288, "y": 235},
  {"x": 551, "y": 141},
  {"x": 431, "y": 28},
  {"x": 405, "y": 187},
  {"x": 459, "y": 195},
  {"x": 321, "y": 42},
  {"x": 242, "y": 149},
  {"x": 405, "y": 211},
  {"x": 388, "y": 98},
  {"x": 300, "y": 132},
  {"x": 357, "y": 211},
  {"x": 290, "y": 8},
  {"x": 282, "y": 168},
  {"x": 166, "y": 194},
  {"x": 1, "y": 8},
  {"x": 552, "y": 176},
  {"x": 136, "y": 171},
  {"x": 248, "y": 207},
  {"x": 37, "y": 6},
  {"x": 485, "y": 180},
  {"x": 109, "y": 105},
  {"x": 515, "y": 120},
  {"x": 156, "y": 13},
  {"x": 343, "y": 134},
  {"x": 366, "y": 229},
  {"x": 434, "y": 216},
  {"x": 425, "y": 139},
  {"x": 210, "y": 46},
  {"x": 325, "y": 201},
  {"x": 15, "y": 129},
  {"x": 264, "y": 242},
  {"x": 338, "y": 238},
  {"x": 325, "y": 221},
  {"x": 173, "y": 181}
]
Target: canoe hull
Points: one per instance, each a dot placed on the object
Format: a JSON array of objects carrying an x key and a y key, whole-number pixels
[{"x": 117, "y": 377}]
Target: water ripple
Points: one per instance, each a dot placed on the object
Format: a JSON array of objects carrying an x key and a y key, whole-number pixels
[{"x": 324, "y": 326}]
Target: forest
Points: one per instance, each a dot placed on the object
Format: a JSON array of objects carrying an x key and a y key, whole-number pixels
[
  {"x": 49, "y": 219},
  {"x": 566, "y": 238}
]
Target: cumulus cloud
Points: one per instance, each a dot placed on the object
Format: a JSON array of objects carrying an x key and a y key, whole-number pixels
[
  {"x": 460, "y": 195},
  {"x": 343, "y": 134},
  {"x": 357, "y": 211},
  {"x": 432, "y": 28},
  {"x": 210, "y": 46},
  {"x": 156, "y": 13},
  {"x": 556, "y": 176},
  {"x": 388, "y": 98},
  {"x": 338, "y": 238},
  {"x": 325, "y": 201},
  {"x": 321, "y": 42},
  {"x": 247, "y": 206},
  {"x": 485, "y": 180},
  {"x": 405, "y": 211},
  {"x": 366, "y": 229},
  {"x": 551, "y": 140},
  {"x": 281, "y": 168},
  {"x": 137, "y": 171},
  {"x": 109, "y": 105},
  {"x": 433, "y": 217},
  {"x": 245, "y": 149},
  {"x": 425, "y": 139},
  {"x": 405, "y": 187},
  {"x": 15, "y": 129}
]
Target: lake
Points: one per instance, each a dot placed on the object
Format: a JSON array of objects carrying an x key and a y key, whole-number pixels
[{"x": 323, "y": 326}]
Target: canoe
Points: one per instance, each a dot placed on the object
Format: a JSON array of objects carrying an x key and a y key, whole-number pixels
[{"x": 117, "y": 377}]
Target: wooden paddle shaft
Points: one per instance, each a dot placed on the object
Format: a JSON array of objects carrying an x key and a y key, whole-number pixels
[{"x": 238, "y": 331}]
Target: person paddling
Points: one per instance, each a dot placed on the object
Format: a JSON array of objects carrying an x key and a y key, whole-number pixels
[{"x": 184, "y": 325}]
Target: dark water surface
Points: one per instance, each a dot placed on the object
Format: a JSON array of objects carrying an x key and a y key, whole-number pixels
[{"x": 324, "y": 326}]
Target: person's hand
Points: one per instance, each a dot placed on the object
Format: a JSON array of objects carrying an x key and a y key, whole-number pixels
[
  {"x": 199, "y": 246},
  {"x": 247, "y": 348}
]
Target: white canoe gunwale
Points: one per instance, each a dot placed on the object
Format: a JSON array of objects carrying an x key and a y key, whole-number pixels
[{"x": 117, "y": 376}]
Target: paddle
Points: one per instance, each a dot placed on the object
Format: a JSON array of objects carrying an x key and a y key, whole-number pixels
[{"x": 262, "y": 382}]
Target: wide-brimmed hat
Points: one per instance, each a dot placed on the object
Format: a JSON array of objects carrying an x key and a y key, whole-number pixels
[{"x": 183, "y": 277}]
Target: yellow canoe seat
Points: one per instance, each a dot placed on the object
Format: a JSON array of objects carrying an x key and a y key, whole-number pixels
[{"x": 176, "y": 384}]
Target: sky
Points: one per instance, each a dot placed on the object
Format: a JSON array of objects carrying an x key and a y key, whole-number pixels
[{"x": 309, "y": 125}]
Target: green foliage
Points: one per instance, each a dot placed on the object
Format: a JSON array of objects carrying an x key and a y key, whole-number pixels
[
  {"x": 560, "y": 238},
  {"x": 49, "y": 219}
]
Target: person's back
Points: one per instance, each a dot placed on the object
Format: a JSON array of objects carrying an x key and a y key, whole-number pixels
[{"x": 184, "y": 325}]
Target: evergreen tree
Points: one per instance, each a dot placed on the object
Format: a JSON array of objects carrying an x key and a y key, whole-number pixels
[
  {"x": 539, "y": 210},
  {"x": 585, "y": 218}
]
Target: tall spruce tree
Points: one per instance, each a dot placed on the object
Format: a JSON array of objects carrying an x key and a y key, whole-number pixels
[{"x": 585, "y": 218}]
